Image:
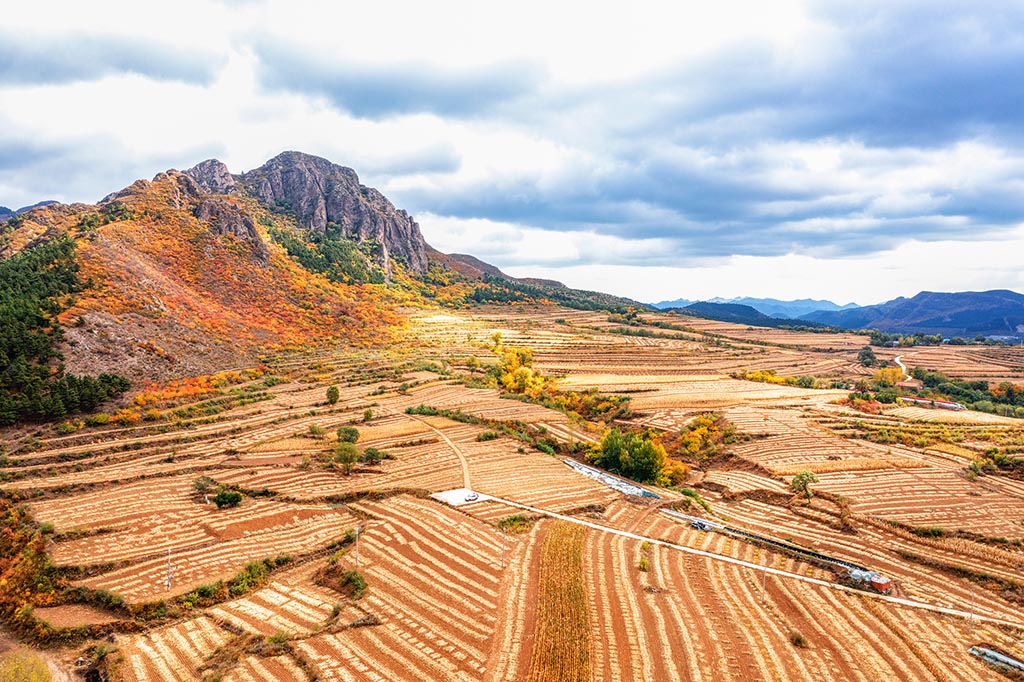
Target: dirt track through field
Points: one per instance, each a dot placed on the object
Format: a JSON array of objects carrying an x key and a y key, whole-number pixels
[
  {"x": 974, "y": 616},
  {"x": 466, "y": 483}
]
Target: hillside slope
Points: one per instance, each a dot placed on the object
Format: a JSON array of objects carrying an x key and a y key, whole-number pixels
[
  {"x": 202, "y": 269},
  {"x": 738, "y": 313},
  {"x": 182, "y": 281}
]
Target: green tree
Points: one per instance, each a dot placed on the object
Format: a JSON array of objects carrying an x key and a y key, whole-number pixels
[
  {"x": 609, "y": 455},
  {"x": 345, "y": 455},
  {"x": 372, "y": 456},
  {"x": 632, "y": 455},
  {"x": 367, "y": 414},
  {"x": 348, "y": 434},
  {"x": 801, "y": 483},
  {"x": 805, "y": 381},
  {"x": 227, "y": 498},
  {"x": 867, "y": 356},
  {"x": 35, "y": 285},
  {"x": 643, "y": 459},
  {"x": 333, "y": 395}
]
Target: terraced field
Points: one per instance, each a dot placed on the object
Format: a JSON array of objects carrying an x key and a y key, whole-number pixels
[{"x": 264, "y": 590}]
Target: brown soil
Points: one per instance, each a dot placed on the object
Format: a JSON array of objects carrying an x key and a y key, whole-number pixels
[{"x": 74, "y": 615}]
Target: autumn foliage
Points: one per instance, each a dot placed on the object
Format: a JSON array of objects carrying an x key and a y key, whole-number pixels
[
  {"x": 152, "y": 258},
  {"x": 177, "y": 391}
]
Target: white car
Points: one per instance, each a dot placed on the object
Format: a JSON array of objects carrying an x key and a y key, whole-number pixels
[{"x": 472, "y": 496}]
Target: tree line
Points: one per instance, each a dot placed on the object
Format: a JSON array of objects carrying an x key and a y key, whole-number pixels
[{"x": 34, "y": 287}]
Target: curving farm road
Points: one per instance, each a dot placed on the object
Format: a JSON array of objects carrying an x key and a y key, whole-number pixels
[
  {"x": 899, "y": 361},
  {"x": 455, "y": 448}
]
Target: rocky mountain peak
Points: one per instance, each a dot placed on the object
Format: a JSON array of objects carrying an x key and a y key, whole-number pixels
[
  {"x": 213, "y": 176},
  {"x": 322, "y": 194}
]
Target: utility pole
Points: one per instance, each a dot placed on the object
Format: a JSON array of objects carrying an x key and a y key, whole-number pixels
[
  {"x": 970, "y": 626},
  {"x": 502, "y": 548},
  {"x": 170, "y": 572},
  {"x": 357, "y": 546}
]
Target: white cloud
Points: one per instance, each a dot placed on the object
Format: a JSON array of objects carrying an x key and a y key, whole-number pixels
[
  {"x": 508, "y": 244},
  {"x": 653, "y": 133},
  {"x": 913, "y": 267}
]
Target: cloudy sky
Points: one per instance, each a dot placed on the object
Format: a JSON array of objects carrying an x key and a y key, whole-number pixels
[{"x": 856, "y": 151}]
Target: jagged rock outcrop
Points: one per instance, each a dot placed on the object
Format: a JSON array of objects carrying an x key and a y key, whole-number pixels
[
  {"x": 226, "y": 218},
  {"x": 213, "y": 176},
  {"x": 323, "y": 193},
  {"x": 325, "y": 197}
]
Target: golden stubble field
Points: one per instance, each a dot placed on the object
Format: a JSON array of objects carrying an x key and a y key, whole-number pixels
[{"x": 606, "y": 591}]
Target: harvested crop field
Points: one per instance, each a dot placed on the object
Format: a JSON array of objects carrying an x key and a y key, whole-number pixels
[{"x": 348, "y": 570}]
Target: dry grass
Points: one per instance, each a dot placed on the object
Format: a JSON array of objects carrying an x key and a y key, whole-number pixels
[
  {"x": 927, "y": 414},
  {"x": 562, "y": 640},
  {"x": 850, "y": 464},
  {"x": 954, "y": 449}
]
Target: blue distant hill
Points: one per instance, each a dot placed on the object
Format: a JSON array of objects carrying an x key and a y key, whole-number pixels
[
  {"x": 966, "y": 314},
  {"x": 772, "y": 307}
]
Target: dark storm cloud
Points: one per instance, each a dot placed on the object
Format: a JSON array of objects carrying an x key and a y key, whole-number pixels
[
  {"x": 370, "y": 91},
  {"x": 54, "y": 59}
]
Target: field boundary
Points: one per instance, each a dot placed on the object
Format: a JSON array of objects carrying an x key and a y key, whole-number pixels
[{"x": 969, "y": 615}]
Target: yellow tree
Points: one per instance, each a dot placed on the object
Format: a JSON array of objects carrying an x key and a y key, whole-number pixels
[{"x": 888, "y": 376}]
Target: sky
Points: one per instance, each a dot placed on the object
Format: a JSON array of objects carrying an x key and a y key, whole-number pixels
[{"x": 854, "y": 151}]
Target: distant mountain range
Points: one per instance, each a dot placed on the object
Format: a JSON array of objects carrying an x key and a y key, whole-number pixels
[
  {"x": 968, "y": 314},
  {"x": 739, "y": 314},
  {"x": 964, "y": 314},
  {"x": 771, "y": 307}
]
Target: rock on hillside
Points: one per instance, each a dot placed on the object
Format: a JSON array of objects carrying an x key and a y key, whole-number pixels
[
  {"x": 226, "y": 218},
  {"x": 213, "y": 176},
  {"x": 323, "y": 193},
  {"x": 183, "y": 281}
]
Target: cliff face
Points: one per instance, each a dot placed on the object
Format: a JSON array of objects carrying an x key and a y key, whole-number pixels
[
  {"x": 213, "y": 176},
  {"x": 324, "y": 194},
  {"x": 226, "y": 218}
]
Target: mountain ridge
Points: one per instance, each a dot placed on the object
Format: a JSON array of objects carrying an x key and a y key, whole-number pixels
[
  {"x": 772, "y": 307},
  {"x": 738, "y": 313},
  {"x": 965, "y": 314},
  {"x": 194, "y": 271}
]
